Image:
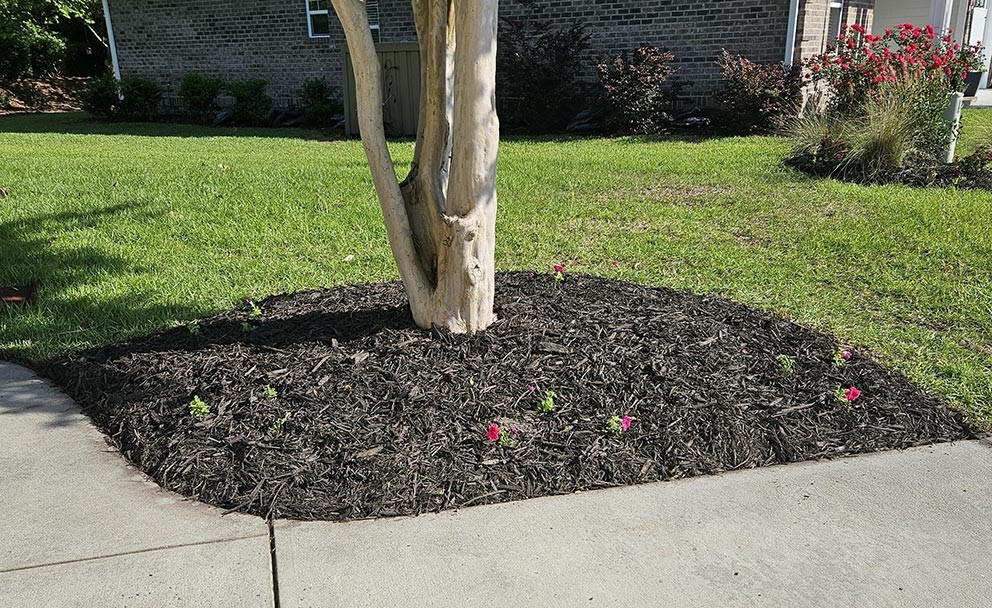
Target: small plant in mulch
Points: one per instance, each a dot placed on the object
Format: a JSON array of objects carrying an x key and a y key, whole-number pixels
[
  {"x": 559, "y": 270},
  {"x": 271, "y": 393},
  {"x": 503, "y": 437},
  {"x": 198, "y": 408},
  {"x": 787, "y": 363},
  {"x": 547, "y": 402},
  {"x": 253, "y": 308},
  {"x": 247, "y": 327},
  {"x": 847, "y": 395},
  {"x": 616, "y": 425},
  {"x": 277, "y": 427},
  {"x": 842, "y": 356}
]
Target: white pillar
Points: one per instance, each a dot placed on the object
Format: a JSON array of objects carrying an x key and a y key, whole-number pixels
[
  {"x": 940, "y": 14},
  {"x": 986, "y": 42}
]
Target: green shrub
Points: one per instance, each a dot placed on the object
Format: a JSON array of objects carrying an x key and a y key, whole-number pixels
[
  {"x": 101, "y": 97},
  {"x": 199, "y": 96},
  {"x": 5, "y": 100},
  {"x": 757, "y": 97},
  {"x": 321, "y": 103},
  {"x": 977, "y": 163},
  {"x": 141, "y": 98},
  {"x": 634, "y": 90},
  {"x": 27, "y": 50},
  {"x": 252, "y": 105},
  {"x": 537, "y": 71}
]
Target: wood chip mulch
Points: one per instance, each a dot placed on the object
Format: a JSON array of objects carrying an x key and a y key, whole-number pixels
[
  {"x": 930, "y": 176},
  {"x": 369, "y": 416}
]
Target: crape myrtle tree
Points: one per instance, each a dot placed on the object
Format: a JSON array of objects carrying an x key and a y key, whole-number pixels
[{"x": 441, "y": 218}]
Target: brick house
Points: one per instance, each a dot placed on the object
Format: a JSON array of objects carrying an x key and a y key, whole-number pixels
[{"x": 286, "y": 42}]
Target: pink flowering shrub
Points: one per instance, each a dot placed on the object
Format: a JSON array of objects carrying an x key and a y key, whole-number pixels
[
  {"x": 888, "y": 96},
  {"x": 757, "y": 97},
  {"x": 862, "y": 66}
]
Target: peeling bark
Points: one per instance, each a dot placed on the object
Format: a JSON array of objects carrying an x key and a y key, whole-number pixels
[{"x": 441, "y": 219}]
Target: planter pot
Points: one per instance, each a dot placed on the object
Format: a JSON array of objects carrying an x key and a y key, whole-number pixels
[{"x": 971, "y": 83}]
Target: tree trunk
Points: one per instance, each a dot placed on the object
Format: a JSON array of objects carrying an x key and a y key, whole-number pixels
[{"x": 441, "y": 219}]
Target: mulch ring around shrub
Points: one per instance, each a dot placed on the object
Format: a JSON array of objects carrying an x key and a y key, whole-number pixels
[
  {"x": 937, "y": 176},
  {"x": 332, "y": 405}
]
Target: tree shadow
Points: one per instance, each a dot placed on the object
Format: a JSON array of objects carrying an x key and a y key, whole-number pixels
[
  {"x": 62, "y": 308},
  {"x": 81, "y": 123}
]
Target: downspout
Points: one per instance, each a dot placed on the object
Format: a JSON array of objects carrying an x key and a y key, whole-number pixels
[
  {"x": 110, "y": 40},
  {"x": 790, "y": 35}
]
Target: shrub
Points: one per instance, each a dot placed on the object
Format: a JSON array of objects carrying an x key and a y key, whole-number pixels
[
  {"x": 27, "y": 50},
  {"x": 252, "y": 105},
  {"x": 537, "y": 74},
  {"x": 5, "y": 100},
  {"x": 757, "y": 97},
  {"x": 863, "y": 66},
  {"x": 199, "y": 96},
  {"x": 141, "y": 98},
  {"x": 101, "y": 97},
  {"x": 634, "y": 89},
  {"x": 321, "y": 103}
]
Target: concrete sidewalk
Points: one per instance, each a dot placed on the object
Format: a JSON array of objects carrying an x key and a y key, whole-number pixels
[{"x": 901, "y": 529}]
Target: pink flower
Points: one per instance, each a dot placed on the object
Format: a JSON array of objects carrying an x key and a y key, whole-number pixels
[
  {"x": 626, "y": 422},
  {"x": 846, "y": 354},
  {"x": 493, "y": 432},
  {"x": 531, "y": 388},
  {"x": 616, "y": 263},
  {"x": 560, "y": 268},
  {"x": 852, "y": 394}
]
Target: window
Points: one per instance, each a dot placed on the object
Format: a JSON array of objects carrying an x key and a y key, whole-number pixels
[
  {"x": 372, "y": 10},
  {"x": 318, "y": 19},
  {"x": 835, "y": 21}
]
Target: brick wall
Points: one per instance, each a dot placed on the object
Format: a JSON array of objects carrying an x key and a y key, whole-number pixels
[
  {"x": 268, "y": 39},
  {"x": 814, "y": 17},
  {"x": 694, "y": 30}
]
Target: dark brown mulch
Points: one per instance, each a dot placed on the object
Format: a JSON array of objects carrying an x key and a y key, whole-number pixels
[
  {"x": 936, "y": 176},
  {"x": 387, "y": 419}
]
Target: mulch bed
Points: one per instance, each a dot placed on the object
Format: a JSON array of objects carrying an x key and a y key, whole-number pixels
[
  {"x": 936, "y": 176},
  {"x": 386, "y": 419}
]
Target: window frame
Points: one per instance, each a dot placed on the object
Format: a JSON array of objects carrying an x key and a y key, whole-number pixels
[{"x": 310, "y": 15}]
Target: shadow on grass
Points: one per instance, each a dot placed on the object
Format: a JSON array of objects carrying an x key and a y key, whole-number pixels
[
  {"x": 81, "y": 123},
  {"x": 60, "y": 311}
]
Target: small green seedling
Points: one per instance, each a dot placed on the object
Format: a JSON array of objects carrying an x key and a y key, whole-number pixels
[
  {"x": 256, "y": 311},
  {"x": 198, "y": 407},
  {"x": 788, "y": 364},
  {"x": 276, "y": 428},
  {"x": 614, "y": 425},
  {"x": 547, "y": 403},
  {"x": 270, "y": 393},
  {"x": 247, "y": 327},
  {"x": 194, "y": 328}
]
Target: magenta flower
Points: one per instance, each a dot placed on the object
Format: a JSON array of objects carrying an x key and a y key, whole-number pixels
[
  {"x": 852, "y": 394},
  {"x": 531, "y": 388},
  {"x": 493, "y": 432},
  {"x": 846, "y": 354},
  {"x": 625, "y": 422},
  {"x": 560, "y": 268}
]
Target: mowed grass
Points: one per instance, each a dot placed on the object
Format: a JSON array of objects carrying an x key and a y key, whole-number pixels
[{"x": 136, "y": 227}]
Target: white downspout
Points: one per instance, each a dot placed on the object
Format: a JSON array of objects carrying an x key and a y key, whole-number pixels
[
  {"x": 790, "y": 35},
  {"x": 110, "y": 40}
]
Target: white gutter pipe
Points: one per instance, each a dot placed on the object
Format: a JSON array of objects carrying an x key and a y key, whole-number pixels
[
  {"x": 110, "y": 40},
  {"x": 790, "y": 35}
]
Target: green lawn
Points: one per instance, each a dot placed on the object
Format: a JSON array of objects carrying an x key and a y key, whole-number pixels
[{"x": 136, "y": 227}]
